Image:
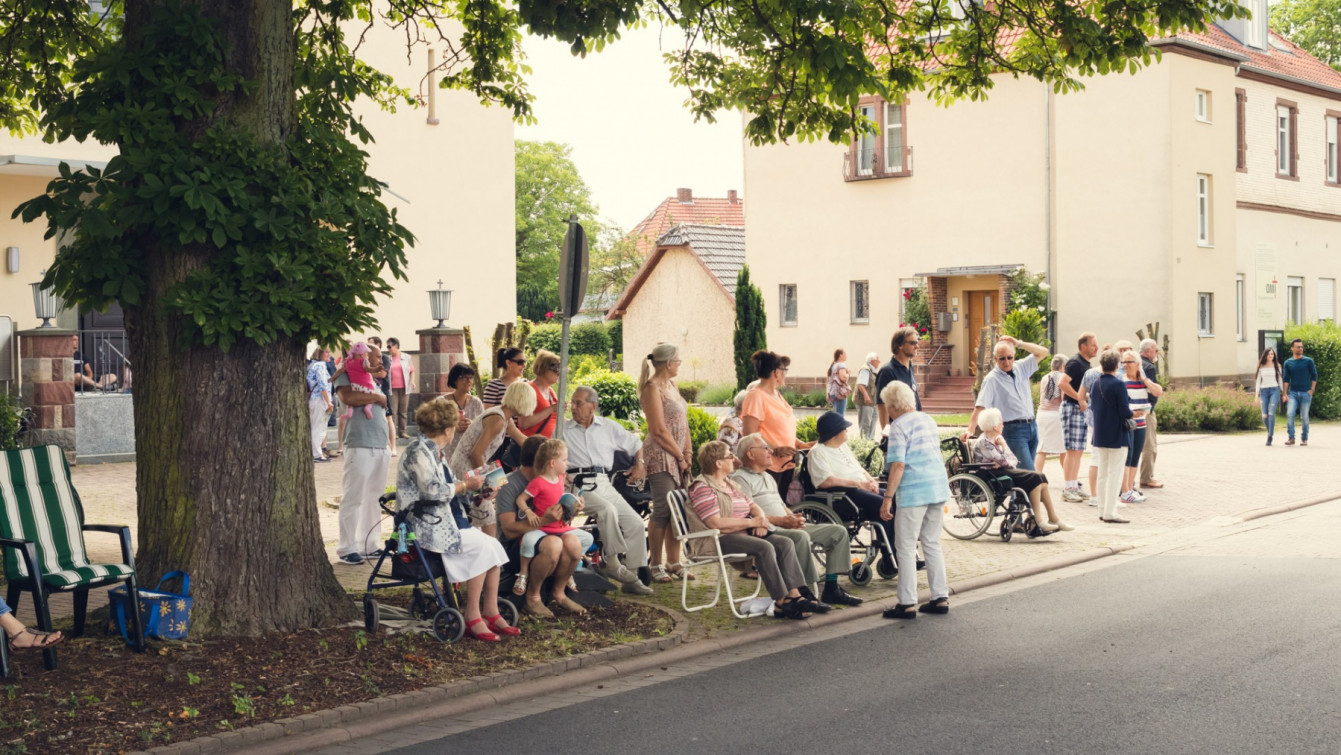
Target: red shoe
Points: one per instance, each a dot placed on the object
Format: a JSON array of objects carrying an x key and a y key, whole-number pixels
[
  {"x": 498, "y": 625},
  {"x": 484, "y": 636}
]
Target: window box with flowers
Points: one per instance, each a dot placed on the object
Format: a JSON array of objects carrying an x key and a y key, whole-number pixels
[{"x": 916, "y": 311}]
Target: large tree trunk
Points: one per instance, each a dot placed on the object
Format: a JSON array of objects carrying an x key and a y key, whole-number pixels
[{"x": 225, "y": 476}]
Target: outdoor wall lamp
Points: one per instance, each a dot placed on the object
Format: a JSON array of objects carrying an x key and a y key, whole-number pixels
[
  {"x": 12, "y": 259},
  {"x": 45, "y": 303},
  {"x": 440, "y": 302}
]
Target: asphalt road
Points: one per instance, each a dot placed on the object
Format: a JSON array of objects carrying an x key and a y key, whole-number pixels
[{"x": 1167, "y": 654}]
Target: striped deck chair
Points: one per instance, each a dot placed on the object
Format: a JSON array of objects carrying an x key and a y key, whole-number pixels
[{"x": 42, "y": 537}]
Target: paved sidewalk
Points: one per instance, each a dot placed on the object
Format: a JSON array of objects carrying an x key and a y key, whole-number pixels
[{"x": 1209, "y": 479}]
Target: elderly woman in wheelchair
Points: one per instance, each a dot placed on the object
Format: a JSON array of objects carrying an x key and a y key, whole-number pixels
[{"x": 991, "y": 449}]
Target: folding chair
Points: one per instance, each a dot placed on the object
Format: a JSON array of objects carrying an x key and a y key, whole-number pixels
[
  {"x": 704, "y": 548},
  {"x": 42, "y": 535}
]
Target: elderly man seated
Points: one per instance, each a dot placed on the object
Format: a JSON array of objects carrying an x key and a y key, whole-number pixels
[
  {"x": 592, "y": 442},
  {"x": 555, "y": 555},
  {"x": 753, "y": 478}
]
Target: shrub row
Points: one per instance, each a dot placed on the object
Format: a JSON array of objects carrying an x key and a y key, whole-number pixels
[{"x": 1217, "y": 408}]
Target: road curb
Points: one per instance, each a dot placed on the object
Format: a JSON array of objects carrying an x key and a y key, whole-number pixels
[
  {"x": 351, "y": 722},
  {"x": 1252, "y": 514}
]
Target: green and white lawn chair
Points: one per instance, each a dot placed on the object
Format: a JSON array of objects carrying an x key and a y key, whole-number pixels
[
  {"x": 704, "y": 548},
  {"x": 42, "y": 536}
]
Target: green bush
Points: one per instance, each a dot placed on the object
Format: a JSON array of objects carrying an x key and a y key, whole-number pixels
[
  {"x": 815, "y": 398},
  {"x": 916, "y": 309},
  {"x": 1322, "y": 342},
  {"x": 582, "y": 366},
  {"x": 637, "y": 425},
  {"x": 702, "y": 428},
  {"x": 807, "y": 430},
  {"x": 1027, "y": 325},
  {"x": 618, "y": 392},
  {"x": 11, "y": 413},
  {"x": 547, "y": 336},
  {"x": 589, "y": 338},
  {"x": 689, "y": 389},
  {"x": 717, "y": 395},
  {"x": 615, "y": 330},
  {"x": 861, "y": 447},
  {"x": 1216, "y": 408}
]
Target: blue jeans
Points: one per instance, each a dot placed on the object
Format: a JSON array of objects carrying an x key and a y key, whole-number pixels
[
  {"x": 1270, "y": 398},
  {"x": 1022, "y": 437},
  {"x": 1135, "y": 448},
  {"x": 840, "y": 405},
  {"x": 1299, "y": 403}
]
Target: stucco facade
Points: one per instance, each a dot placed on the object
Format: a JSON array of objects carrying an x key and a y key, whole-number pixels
[{"x": 681, "y": 303}]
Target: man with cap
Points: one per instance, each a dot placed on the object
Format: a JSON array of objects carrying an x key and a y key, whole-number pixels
[
  {"x": 835, "y": 469},
  {"x": 752, "y": 477},
  {"x": 1007, "y": 389}
]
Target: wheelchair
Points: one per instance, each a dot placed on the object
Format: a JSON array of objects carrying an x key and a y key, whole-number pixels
[
  {"x": 977, "y": 493},
  {"x": 638, "y": 497},
  {"x": 872, "y": 552},
  {"x": 408, "y": 566}
]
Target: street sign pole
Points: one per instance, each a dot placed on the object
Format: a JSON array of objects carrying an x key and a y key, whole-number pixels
[{"x": 572, "y": 291}]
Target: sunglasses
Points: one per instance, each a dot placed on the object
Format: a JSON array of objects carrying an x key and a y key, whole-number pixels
[
  {"x": 1005, "y": 359},
  {"x": 554, "y": 369},
  {"x": 521, "y": 362}
]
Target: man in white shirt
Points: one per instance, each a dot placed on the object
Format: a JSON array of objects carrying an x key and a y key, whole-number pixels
[
  {"x": 592, "y": 442},
  {"x": 759, "y": 485}
]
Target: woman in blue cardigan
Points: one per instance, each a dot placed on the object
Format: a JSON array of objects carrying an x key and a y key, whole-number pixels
[{"x": 1112, "y": 408}]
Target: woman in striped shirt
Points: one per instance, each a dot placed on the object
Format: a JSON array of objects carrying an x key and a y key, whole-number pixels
[
  {"x": 512, "y": 361},
  {"x": 1139, "y": 390}
]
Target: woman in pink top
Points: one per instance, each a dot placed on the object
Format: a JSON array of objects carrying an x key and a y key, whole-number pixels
[
  {"x": 402, "y": 377},
  {"x": 766, "y": 412}
]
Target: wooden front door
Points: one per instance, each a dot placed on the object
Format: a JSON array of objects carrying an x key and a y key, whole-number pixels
[{"x": 983, "y": 309}]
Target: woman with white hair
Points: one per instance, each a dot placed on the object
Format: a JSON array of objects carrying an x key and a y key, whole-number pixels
[
  {"x": 666, "y": 453},
  {"x": 868, "y": 415},
  {"x": 1051, "y": 441},
  {"x": 991, "y": 448},
  {"x": 917, "y": 476},
  {"x": 484, "y": 437}
]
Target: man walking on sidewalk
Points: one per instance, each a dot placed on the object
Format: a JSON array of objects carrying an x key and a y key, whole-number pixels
[
  {"x": 1299, "y": 378},
  {"x": 1149, "y": 351}
]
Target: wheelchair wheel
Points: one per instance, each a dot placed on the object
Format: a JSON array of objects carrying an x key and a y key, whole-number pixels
[
  {"x": 508, "y": 610},
  {"x": 449, "y": 625},
  {"x": 971, "y": 507},
  {"x": 372, "y": 614},
  {"x": 886, "y": 567},
  {"x": 860, "y": 574},
  {"x": 815, "y": 513},
  {"x": 422, "y": 606}
]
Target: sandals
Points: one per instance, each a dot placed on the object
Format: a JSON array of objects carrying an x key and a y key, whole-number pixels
[
  {"x": 485, "y": 635},
  {"x": 901, "y": 611},
  {"x": 677, "y": 570},
  {"x": 791, "y": 608},
  {"x": 497, "y": 624},
  {"x": 519, "y": 586},
  {"x": 659, "y": 574},
  {"x": 41, "y": 640},
  {"x": 939, "y": 605}
]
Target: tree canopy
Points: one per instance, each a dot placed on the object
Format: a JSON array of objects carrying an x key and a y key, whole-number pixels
[
  {"x": 548, "y": 191},
  {"x": 1314, "y": 25}
]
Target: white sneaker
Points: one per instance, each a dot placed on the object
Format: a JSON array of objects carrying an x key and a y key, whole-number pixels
[
  {"x": 1073, "y": 495},
  {"x": 1128, "y": 497},
  {"x": 1140, "y": 497},
  {"x": 1093, "y": 500}
]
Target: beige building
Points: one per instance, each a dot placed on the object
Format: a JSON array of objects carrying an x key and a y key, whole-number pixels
[
  {"x": 685, "y": 294},
  {"x": 1200, "y": 193},
  {"x": 448, "y": 166}
]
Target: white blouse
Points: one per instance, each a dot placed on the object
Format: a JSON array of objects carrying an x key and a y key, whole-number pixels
[{"x": 1266, "y": 378}]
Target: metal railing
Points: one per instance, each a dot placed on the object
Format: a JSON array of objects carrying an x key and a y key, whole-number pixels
[{"x": 106, "y": 361}]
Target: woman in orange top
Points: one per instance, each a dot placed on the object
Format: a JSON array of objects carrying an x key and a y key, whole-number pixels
[{"x": 766, "y": 412}]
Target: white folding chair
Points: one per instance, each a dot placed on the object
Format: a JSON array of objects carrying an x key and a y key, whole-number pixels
[{"x": 679, "y": 518}]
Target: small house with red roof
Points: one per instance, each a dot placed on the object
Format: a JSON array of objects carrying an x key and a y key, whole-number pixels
[{"x": 1202, "y": 192}]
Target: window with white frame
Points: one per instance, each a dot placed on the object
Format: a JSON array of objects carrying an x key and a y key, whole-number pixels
[
  {"x": 1203, "y": 209},
  {"x": 1240, "y": 308},
  {"x": 1327, "y": 299},
  {"x": 1333, "y": 132},
  {"x": 1255, "y": 27},
  {"x": 1205, "y": 314},
  {"x": 1285, "y": 139},
  {"x": 787, "y": 304},
  {"x": 860, "y": 297},
  {"x": 905, "y": 286},
  {"x": 893, "y": 138},
  {"x": 1203, "y": 110},
  {"x": 866, "y": 145},
  {"x": 1294, "y": 299}
]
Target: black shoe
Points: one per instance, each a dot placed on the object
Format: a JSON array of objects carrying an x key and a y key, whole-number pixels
[
  {"x": 813, "y": 604},
  {"x": 837, "y": 596},
  {"x": 901, "y": 611},
  {"x": 921, "y": 565}
]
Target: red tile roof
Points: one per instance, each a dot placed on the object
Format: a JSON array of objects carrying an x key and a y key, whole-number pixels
[
  {"x": 698, "y": 211},
  {"x": 1281, "y": 58}
]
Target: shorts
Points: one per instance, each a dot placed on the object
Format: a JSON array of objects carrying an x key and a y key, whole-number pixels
[
  {"x": 1073, "y": 427},
  {"x": 530, "y": 540}
]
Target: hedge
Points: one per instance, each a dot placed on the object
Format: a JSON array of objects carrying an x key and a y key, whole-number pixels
[
  {"x": 618, "y": 393},
  {"x": 1322, "y": 342},
  {"x": 588, "y": 338},
  {"x": 1216, "y": 408}
]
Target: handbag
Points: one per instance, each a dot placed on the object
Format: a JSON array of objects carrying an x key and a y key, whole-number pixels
[
  {"x": 1130, "y": 423},
  {"x": 164, "y": 615},
  {"x": 508, "y": 454}
]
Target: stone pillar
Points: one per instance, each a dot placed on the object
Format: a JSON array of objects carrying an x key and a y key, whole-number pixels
[
  {"x": 440, "y": 349},
  {"x": 46, "y": 378}
]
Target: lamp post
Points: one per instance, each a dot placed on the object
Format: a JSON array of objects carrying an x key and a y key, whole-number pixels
[
  {"x": 440, "y": 302},
  {"x": 45, "y": 304}
]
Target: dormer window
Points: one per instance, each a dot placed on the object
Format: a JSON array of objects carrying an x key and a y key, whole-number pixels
[{"x": 1255, "y": 28}]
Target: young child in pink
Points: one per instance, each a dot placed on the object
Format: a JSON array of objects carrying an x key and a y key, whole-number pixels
[{"x": 361, "y": 355}]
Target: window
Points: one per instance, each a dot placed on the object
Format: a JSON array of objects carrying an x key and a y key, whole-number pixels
[
  {"x": 860, "y": 295},
  {"x": 787, "y": 315},
  {"x": 866, "y": 145},
  {"x": 1332, "y": 133},
  {"x": 1240, "y": 309},
  {"x": 905, "y": 285},
  {"x": 1241, "y": 114},
  {"x": 1294, "y": 302},
  {"x": 1327, "y": 299},
  {"x": 893, "y": 138},
  {"x": 1255, "y": 27},
  {"x": 1286, "y": 157},
  {"x": 1203, "y": 106},
  {"x": 1205, "y": 314},
  {"x": 1203, "y": 209}
]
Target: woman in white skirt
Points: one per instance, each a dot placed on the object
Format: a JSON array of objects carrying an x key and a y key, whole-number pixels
[
  {"x": 468, "y": 555},
  {"x": 1050, "y": 439}
]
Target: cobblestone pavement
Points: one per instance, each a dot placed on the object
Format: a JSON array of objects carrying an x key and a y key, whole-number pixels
[{"x": 1210, "y": 480}]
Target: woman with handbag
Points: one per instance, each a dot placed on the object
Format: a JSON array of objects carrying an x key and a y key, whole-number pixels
[
  {"x": 468, "y": 555},
  {"x": 1139, "y": 390},
  {"x": 485, "y": 437},
  {"x": 839, "y": 387},
  {"x": 1113, "y": 420}
]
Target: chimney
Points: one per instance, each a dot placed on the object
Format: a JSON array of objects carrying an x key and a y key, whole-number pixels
[
  {"x": 685, "y": 196},
  {"x": 731, "y": 196}
]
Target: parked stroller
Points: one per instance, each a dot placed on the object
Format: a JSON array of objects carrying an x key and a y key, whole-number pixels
[{"x": 408, "y": 566}]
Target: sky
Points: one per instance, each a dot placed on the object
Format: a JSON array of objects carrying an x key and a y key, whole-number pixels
[{"x": 633, "y": 139}]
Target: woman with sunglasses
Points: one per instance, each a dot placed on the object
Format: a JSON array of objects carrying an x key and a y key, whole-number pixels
[
  {"x": 512, "y": 362},
  {"x": 542, "y": 421}
]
